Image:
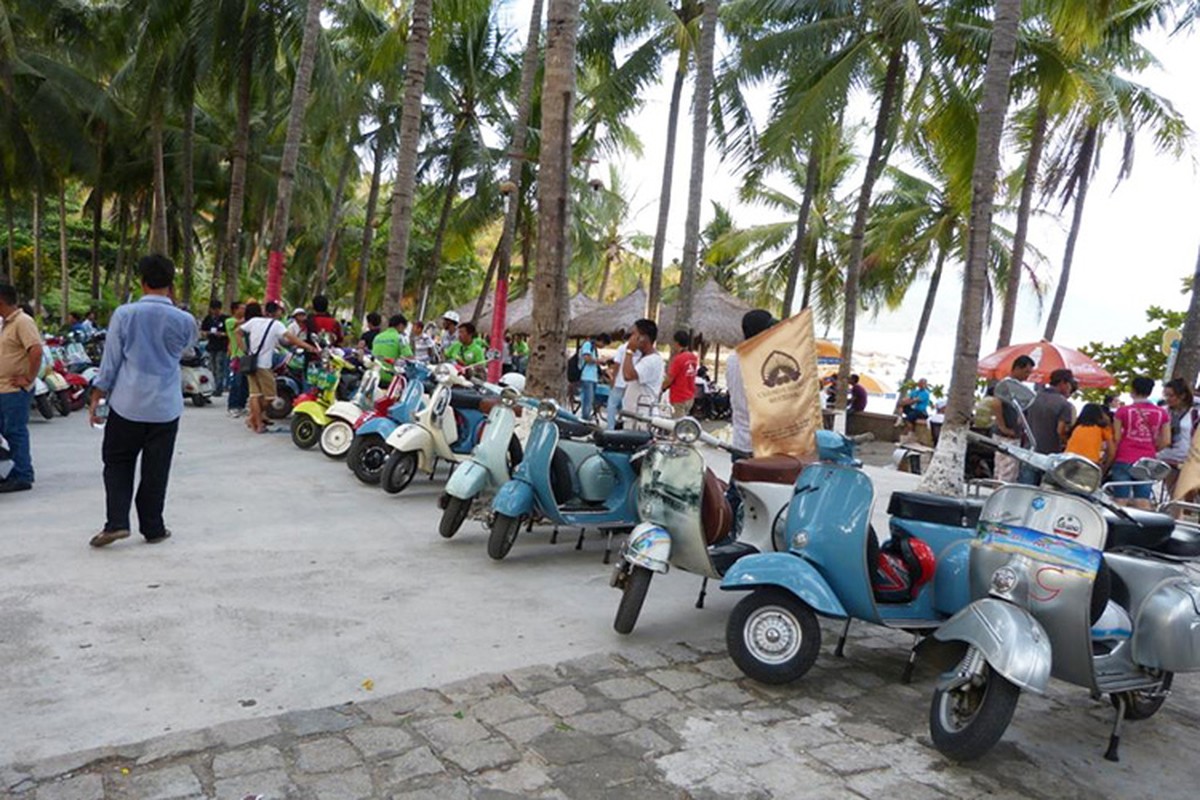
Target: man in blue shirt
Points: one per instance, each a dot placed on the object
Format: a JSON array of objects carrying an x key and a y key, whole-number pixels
[
  {"x": 916, "y": 406},
  {"x": 589, "y": 373},
  {"x": 140, "y": 376}
]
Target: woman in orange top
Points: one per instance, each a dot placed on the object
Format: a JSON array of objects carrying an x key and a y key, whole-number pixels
[{"x": 1092, "y": 436}]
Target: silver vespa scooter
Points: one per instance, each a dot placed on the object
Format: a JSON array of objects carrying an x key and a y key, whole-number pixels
[{"x": 1068, "y": 585}]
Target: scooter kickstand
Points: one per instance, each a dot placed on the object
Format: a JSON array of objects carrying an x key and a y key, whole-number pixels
[
  {"x": 906, "y": 676},
  {"x": 433, "y": 472},
  {"x": 608, "y": 547},
  {"x": 703, "y": 591},
  {"x": 579, "y": 544},
  {"x": 553, "y": 536},
  {"x": 840, "y": 650},
  {"x": 1114, "y": 741}
]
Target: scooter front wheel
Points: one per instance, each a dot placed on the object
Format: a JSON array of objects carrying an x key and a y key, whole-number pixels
[
  {"x": 504, "y": 533},
  {"x": 62, "y": 402},
  {"x": 633, "y": 594},
  {"x": 366, "y": 458},
  {"x": 45, "y": 405},
  {"x": 281, "y": 404},
  {"x": 200, "y": 401},
  {"x": 305, "y": 432},
  {"x": 398, "y": 471},
  {"x": 966, "y": 722},
  {"x": 336, "y": 438},
  {"x": 773, "y": 637},
  {"x": 454, "y": 516}
]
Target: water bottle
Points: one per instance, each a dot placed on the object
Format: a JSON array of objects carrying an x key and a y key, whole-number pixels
[{"x": 101, "y": 413}]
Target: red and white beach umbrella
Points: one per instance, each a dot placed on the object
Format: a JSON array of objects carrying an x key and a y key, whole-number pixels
[{"x": 1047, "y": 357}]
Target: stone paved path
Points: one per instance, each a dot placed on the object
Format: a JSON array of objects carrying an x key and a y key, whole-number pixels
[{"x": 671, "y": 721}]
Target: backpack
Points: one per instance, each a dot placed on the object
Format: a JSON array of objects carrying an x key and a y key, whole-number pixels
[{"x": 574, "y": 367}]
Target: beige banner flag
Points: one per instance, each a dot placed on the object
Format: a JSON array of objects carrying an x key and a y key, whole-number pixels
[
  {"x": 779, "y": 372},
  {"x": 1189, "y": 471}
]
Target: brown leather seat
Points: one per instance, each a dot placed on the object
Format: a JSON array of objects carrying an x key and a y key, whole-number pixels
[
  {"x": 487, "y": 404},
  {"x": 769, "y": 469},
  {"x": 715, "y": 512}
]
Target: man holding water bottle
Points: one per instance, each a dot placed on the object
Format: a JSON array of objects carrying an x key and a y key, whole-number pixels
[{"x": 139, "y": 378}]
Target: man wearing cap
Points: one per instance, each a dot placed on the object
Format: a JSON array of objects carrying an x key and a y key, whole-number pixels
[
  {"x": 1050, "y": 419},
  {"x": 450, "y": 322},
  {"x": 298, "y": 327}
]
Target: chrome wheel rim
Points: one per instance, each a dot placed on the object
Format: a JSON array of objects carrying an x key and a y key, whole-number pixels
[
  {"x": 772, "y": 635},
  {"x": 337, "y": 437}
]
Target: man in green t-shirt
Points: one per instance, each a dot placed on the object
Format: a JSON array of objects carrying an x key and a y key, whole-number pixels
[
  {"x": 391, "y": 343},
  {"x": 239, "y": 391},
  {"x": 466, "y": 349}
]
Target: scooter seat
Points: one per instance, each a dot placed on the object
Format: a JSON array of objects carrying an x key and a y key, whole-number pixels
[
  {"x": 961, "y": 512},
  {"x": 465, "y": 399},
  {"x": 622, "y": 441},
  {"x": 768, "y": 469},
  {"x": 573, "y": 430},
  {"x": 724, "y": 555},
  {"x": 1144, "y": 529},
  {"x": 1184, "y": 542},
  {"x": 715, "y": 512}
]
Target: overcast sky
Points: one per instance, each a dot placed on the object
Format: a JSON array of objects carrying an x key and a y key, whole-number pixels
[{"x": 1137, "y": 243}]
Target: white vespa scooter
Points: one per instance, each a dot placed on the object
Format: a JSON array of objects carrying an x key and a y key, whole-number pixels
[
  {"x": 338, "y": 433},
  {"x": 196, "y": 378}
]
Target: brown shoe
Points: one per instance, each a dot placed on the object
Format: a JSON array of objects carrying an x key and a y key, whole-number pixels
[
  {"x": 108, "y": 537},
  {"x": 166, "y": 534}
]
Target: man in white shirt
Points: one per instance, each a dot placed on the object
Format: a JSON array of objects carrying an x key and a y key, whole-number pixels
[
  {"x": 260, "y": 335},
  {"x": 643, "y": 374},
  {"x": 616, "y": 393}
]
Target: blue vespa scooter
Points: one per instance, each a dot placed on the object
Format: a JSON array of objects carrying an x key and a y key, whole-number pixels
[
  {"x": 369, "y": 451},
  {"x": 569, "y": 482},
  {"x": 836, "y": 567}
]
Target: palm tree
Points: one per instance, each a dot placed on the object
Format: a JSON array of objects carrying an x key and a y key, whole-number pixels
[
  {"x": 406, "y": 162},
  {"x": 946, "y": 470},
  {"x": 291, "y": 148},
  {"x": 700, "y": 112},
  {"x": 547, "y": 368}
]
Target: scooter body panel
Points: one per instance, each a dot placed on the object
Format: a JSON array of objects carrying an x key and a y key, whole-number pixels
[
  {"x": 787, "y": 571},
  {"x": 762, "y": 503},
  {"x": 492, "y": 451},
  {"x": 344, "y": 410},
  {"x": 379, "y": 426},
  {"x": 314, "y": 410},
  {"x": 670, "y": 486},
  {"x": 414, "y": 437},
  {"x": 1165, "y": 605},
  {"x": 469, "y": 480},
  {"x": 516, "y": 498},
  {"x": 649, "y": 546},
  {"x": 950, "y": 590},
  {"x": 1007, "y": 636}
]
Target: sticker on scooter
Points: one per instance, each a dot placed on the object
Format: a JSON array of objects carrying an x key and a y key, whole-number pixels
[
  {"x": 1068, "y": 525},
  {"x": 1038, "y": 503}
]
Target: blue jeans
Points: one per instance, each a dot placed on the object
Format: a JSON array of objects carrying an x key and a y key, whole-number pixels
[
  {"x": 616, "y": 398},
  {"x": 587, "y": 398},
  {"x": 14, "y": 426},
  {"x": 239, "y": 391},
  {"x": 1121, "y": 472},
  {"x": 218, "y": 364}
]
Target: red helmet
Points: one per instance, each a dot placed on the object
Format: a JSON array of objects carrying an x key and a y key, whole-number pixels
[{"x": 920, "y": 560}]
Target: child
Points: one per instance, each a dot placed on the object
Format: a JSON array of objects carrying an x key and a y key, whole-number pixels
[{"x": 1092, "y": 437}]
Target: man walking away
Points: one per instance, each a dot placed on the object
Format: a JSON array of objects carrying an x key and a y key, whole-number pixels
[
  {"x": 20, "y": 361},
  {"x": 681, "y": 375},
  {"x": 1006, "y": 423},
  {"x": 260, "y": 335},
  {"x": 644, "y": 375},
  {"x": 589, "y": 373},
  {"x": 140, "y": 376},
  {"x": 213, "y": 326}
]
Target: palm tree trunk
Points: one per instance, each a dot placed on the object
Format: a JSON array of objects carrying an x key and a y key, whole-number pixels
[
  {"x": 1086, "y": 155},
  {"x": 528, "y": 248},
  {"x": 480, "y": 301},
  {"x": 220, "y": 226},
  {"x": 237, "y": 171},
  {"x": 1187, "y": 365},
  {"x": 98, "y": 215},
  {"x": 548, "y": 364},
  {"x": 335, "y": 220},
  {"x": 406, "y": 163},
  {"x": 888, "y": 102},
  {"x": 139, "y": 217},
  {"x": 37, "y": 246},
  {"x": 926, "y": 315},
  {"x": 158, "y": 222},
  {"x": 291, "y": 148},
  {"x": 516, "y": 165},
  {"x": 429, "y": 282},
  {"x": 609, "y": 257},
  {"x": 664, "y": 196},
  {"x": 122, "y": 240},
  {"x": 364, "y": 258},
  {"x": 945, "y": 473},
  {"x": 811, "y": 172},
  {"x": 189, "y": 195},
  {"x": 64, "y": 257},
  {"x": 700, "y": 113},
  {"x": 1028, "y": 184},
  {"x": 9, "y": 263}
]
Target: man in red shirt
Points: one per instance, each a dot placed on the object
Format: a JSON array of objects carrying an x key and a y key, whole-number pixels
[
  {"x": 320, "y": 321},
  {"x": 681, "y": 374}
]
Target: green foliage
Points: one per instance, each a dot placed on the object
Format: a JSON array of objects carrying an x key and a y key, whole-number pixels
[{"x": 1137, "y": 355}]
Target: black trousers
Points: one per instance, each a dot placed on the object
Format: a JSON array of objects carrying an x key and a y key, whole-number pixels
[{"x": 124, "y": 441}]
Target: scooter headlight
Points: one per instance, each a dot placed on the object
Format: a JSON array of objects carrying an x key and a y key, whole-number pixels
[
  {"x": 443, "y": 373},
  {"x": 509, "y": 395},
  {"x": 687, "y": 430},
  {"x": 1076, "y": 474},
  {"x": 1004, "y": 580},
  {"x": 547, "y": 409}
]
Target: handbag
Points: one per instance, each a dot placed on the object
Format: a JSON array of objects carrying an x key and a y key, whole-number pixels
[{"x": 248, "y": 364}]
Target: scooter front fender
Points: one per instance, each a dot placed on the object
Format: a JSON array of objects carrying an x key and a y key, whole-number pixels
[
  {"x": 1008, "y": 637},
  {"x": 514, "y": 499},
  {"x": 314, "y": 410},
  {"x": 469, "y": 480},
  {"x": 414, "y": 438},
  {"x": 345, "y": 411},
  {"x": 649, "y": 546},
  {"x": 787, "y": 571}
]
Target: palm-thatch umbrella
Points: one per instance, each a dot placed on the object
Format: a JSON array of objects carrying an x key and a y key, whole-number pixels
[
  {"x": 716, "y": 315},
  {"x": 619, "y": 315}
]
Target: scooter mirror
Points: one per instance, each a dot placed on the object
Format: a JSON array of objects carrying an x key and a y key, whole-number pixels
[
  {"x": 1011, "y": 390},
  {"x": 1150, "y": 469}
]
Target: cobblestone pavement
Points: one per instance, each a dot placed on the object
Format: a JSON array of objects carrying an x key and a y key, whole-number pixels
[{"x": 671, "y": 721}]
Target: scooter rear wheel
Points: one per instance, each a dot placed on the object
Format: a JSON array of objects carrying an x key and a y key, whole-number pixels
[
  {"x": 45, "y": 405},
  {"x": 281, "y": 404},
  {"x": 633, "y": 595},
  {"x": 366, "y": 458},
  {"x": 305, "y": 432},
  {"x": 773, "y": 636},
  {"x": 200, "y": 401},
  {"x": 398, "y": 471},
  {"x": 454, "y": 516},
  {"x": 967, "y": 721},
  {"x": 504, "y": 533},
  {"x": 62, "y": 402},
  {"x": 336, "y": 438},
  {"x": 1144, "y": 705}
]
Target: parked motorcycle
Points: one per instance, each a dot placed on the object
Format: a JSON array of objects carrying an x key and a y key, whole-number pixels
[
  {"x": 196, "y": 377},
  {"x": 569, "y": 482},
  {"x": 338, "y": 433},
  {"x": 836, "y": 567},
  {"x": 1065, "y": 584},
  {"x": 289, "y": 385},
  {"x": 686, "y": 521},
  {"x": 369, "y": 451},
  {"x": 310, "y": 413},
  {"x": 446, "y": 429},
  {"x": 43, "y": 398}
]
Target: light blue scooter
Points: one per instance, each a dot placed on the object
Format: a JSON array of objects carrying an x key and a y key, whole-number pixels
[
  {"x": 590, "y": 484},
  {"x": 835, "y": 567},
  {"x": 370, "y": 451}
]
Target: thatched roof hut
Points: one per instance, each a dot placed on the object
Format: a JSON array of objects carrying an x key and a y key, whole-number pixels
[
  {"x": 716, "y": 315},
  {"x": 467, "y": 309},
  {"x": 579, "y": 305},
  {"x": 615, "y": 316}
]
